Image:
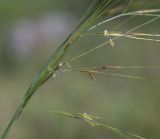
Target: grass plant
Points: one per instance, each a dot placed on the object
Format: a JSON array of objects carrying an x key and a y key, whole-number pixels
[{"x": 95, "y": 12}]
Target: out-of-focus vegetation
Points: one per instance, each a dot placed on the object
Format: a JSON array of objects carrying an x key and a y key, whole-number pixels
[{"x": 32, "y": 30}]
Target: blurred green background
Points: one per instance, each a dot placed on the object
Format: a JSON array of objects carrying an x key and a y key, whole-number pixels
[{"x": 30, "y": 31}]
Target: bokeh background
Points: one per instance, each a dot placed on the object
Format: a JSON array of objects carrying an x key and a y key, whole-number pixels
[{"x": 30, "y": 31}]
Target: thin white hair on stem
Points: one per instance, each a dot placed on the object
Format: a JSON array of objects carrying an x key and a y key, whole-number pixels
[
  {"x": 117, "y": 37},
  {"x": 140, "y": 38},
  {"x": 148, "y": 12},
  {"x": 135, "y": 35},
  {"x": 129, "y": 18}
]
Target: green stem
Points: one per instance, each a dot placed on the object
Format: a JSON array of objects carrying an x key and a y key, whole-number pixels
[
  {"x": 95, "y": 10},
  {"x": 42, "y": 77}
]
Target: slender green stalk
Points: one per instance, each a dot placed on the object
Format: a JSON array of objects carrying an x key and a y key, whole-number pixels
[{"x": 95, "y": 11}]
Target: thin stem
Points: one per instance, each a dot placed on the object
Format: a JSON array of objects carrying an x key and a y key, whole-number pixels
[
  {"x": 135, "y": 28},
  {"x": 139, "y": 13},
  {"x": 95, "y": 11}
]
